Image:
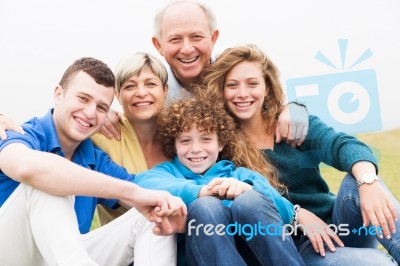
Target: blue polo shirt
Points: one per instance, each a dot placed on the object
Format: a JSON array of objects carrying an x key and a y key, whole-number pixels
[{"x": 41, "y": 135}]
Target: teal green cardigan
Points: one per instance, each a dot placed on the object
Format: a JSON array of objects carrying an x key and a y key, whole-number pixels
[{"x": 299, "y": 168}]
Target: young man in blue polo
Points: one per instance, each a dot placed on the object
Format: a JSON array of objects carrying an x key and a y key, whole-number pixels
[{"x": 52, "y": 177}]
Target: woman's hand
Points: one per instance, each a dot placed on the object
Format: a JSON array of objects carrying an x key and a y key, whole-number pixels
[
  {"x": 318, "y": 232},
  {"x": 376, "y": 203},
  {"x": 377, "y": 208}
]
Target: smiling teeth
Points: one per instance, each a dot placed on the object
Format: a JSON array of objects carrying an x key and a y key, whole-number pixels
[
  {"x": 243, "y": 104},
  {"x": 83, "y": 123},
  {"x": 187, "y": 61},
  {"x": 196, "y": 160},
  {"x": 142, "y": 104}
]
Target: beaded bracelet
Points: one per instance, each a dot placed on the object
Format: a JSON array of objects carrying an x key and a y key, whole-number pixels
[{"x": 295, "y": 217}]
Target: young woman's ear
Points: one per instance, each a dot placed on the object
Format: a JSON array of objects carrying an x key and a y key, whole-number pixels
[{"x": 267, "y": 90}]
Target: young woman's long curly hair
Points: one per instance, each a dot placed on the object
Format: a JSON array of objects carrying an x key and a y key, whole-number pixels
[
  {"x": 215, "y": 75},
  {"x": 210, "y": 116}
]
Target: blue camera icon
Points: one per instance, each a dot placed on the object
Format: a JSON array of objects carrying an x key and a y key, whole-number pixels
[{"x": 347, "y": 101}]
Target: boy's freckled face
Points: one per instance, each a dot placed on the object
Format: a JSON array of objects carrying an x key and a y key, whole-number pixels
[{"x": 197, "y": 150}]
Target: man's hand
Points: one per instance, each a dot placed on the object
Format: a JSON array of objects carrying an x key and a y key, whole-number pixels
[
  {"x": 318, "y": 232},
  {"x": 167, "y": 211},
  {"x": 170, "y": 225},
  {"x": 292, "y": 125},
  {"x": 377, "y": 208},
  {"x": 7, "y": 123},
  {"x": 111, "y": 128},
  {"x": 227, "y": 188}
]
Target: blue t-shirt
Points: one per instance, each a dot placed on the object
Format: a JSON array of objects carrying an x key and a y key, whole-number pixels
[{"x": 41, "y": 135}]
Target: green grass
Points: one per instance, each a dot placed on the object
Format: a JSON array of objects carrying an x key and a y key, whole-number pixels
[
  {"x": 95, "y": 222},
  {"x": 386, "y": 145}
]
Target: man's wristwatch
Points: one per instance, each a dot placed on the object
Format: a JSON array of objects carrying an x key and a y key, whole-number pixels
[{"x": 367, "y": 179}]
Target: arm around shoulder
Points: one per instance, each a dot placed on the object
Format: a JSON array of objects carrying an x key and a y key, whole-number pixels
[
  {"x": 292, "y": 124},
  {"x": 7, "y": 123}
]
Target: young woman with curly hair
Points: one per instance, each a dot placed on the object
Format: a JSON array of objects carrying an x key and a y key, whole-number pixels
[{"x": 247, "y": 81}]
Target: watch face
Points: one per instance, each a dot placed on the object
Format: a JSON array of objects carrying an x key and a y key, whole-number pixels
[{"x": 368, "y": 178}]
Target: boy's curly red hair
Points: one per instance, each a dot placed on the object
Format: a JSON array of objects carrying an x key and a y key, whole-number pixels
[{"x": 210, "y": 115}]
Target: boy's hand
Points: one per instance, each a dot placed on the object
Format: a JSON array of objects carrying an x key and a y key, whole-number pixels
[{"x": 227, "y": 188}]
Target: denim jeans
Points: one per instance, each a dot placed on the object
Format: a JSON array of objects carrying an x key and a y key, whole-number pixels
[
  {"x": 359, "y": 249},
  {"x": 251, "y": 207}
]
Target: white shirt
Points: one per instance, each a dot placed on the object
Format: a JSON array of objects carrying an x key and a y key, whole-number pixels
[{"x": 175, "y": 90}]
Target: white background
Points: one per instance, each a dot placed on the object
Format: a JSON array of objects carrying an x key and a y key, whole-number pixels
[{"x": 40, "y": 39}]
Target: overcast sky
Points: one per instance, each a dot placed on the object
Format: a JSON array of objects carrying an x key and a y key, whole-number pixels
[{"x": 40, "y": 39}]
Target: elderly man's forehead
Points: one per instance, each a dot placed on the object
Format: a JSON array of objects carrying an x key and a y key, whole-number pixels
[
  {"x": 176, "y": 11},
  {"x": 184, "y": 16}
]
